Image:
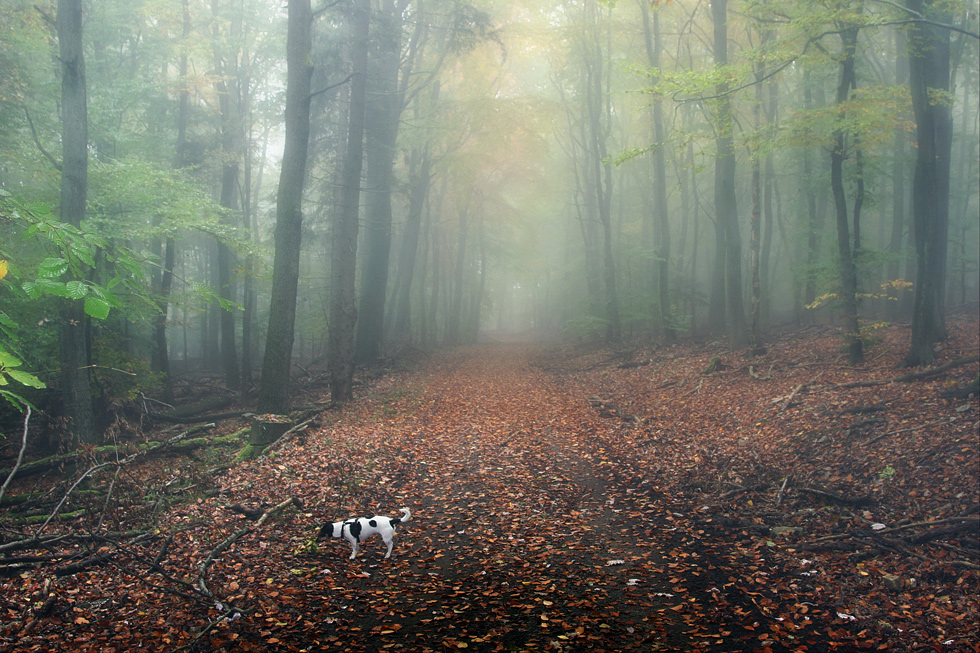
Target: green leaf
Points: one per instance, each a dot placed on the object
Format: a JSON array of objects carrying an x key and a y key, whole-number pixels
[
  {"x": 26, "y": 379},
  {"x": 8, "y": 360},
  {"x": 85, "y": 254},
  {"x": 228, "y": 305},
  {"x": 31, "y": 289},
  {"x": 52, "y": 267},
  {"x": 76, "y": 289},
  {"x": 52, "y": 287},
  {"x": 97, "y": 308}
]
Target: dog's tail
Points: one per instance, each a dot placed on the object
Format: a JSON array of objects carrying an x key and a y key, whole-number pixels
[{"x": 406, "y": 516}]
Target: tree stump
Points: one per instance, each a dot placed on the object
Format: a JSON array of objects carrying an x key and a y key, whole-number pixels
[{"x": 266, "y": 429}]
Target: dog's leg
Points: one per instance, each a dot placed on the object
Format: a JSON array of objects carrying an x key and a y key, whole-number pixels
[{"x": 390, "y": 541}]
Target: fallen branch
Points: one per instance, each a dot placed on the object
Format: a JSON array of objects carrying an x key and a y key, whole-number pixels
[
  {"x": 112, "y": 451},
  {"x": 740, "y": 490},
  {"x": 163, "y": 417},
  {"x": 287, "y": 436},
  {"x": 907, "y": 430},
  {"x": 913, "y": 376},
  {"x": 632, "y": 364},
  {"x": 863, "y": 410},
  {"x": 761, "y": 377},
  {"x": 798, "y": 389},
  {"x": 201, "y": 583},
  {"x": 20, "y": 456},
  {"x": 837, "y": 498},
  {"x": 935, "y": 533},
  {"x": 82, "y": 565}
]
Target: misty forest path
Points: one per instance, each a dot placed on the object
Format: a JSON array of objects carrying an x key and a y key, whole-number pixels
[{"x": 530, "y": 531}]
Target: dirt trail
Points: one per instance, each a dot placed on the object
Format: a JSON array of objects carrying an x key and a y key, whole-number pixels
[{"x": 522, "y": 536}]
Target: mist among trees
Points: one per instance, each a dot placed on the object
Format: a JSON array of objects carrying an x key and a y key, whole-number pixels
[{"x": 263, "y": 189}]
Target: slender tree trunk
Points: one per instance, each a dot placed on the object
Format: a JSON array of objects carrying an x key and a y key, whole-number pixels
[
  {"x": 160, "y": 358},
  {"x": 231, "y": 154},
  {"x": 929, "y": 79},
  {"x": 74, "y": 350},
  {"x": 454, "y": 319},
  {"x": 419, "y": 175},
  {"x": 755, "y": 224},
  {"x": 476, "y": 309},
  {"x": 899, "y": 217},
  {"x": 813, "y": 215},
  {"x": 654, "y": 46},
  {"x": 343, "y": 259},
  {"x": 274, "y": 388},
  {"x": 597, "y": 111},
  {"x": 848, "y": 271}
]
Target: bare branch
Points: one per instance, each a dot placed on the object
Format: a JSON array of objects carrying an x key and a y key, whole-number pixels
[
  {"x": 20, "y": 456},
  {"x": 37, "y": 141}
]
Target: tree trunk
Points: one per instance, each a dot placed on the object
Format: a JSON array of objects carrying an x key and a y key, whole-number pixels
[
  {"x": 899, "y": 218},
  {"x": 455, "y": 317},
  {"x": 74, "y": 338},
  {"x": 382, "y": 113},
  {"x": 343, "y": 260},
  {"x": 274, "y": 387},
  {"x": 419, "y": 176},
  {"x": 726, "y": 212},
  {"x": 654, "y": 46},
  {"x": 848, "y": 272},
  {"x": 929, "y": 78},
  {"x": 160, "y": 357},
  {"x": 231, "y": 153}
]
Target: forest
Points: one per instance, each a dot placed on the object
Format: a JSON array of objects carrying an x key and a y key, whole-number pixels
[{"x": 702, "y": 276}]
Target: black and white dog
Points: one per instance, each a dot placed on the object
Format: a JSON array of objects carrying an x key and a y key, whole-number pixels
[{"x": 358, "y": 529}]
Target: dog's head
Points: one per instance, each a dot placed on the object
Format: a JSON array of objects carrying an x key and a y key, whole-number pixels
[{"x": 335, "y": 529}]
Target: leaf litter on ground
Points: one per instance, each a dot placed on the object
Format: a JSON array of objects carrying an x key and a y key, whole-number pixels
[{"x": 564, "y": 500}]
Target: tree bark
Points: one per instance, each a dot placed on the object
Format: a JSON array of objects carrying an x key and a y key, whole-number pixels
[
  {"x": 231, "y": 146},
  {"x": 726, "y": 212},
  {"x": 382, "y": 113},
  {"x": 343, "y": 260},
  {"x": 274, "y": 387},
  {"x": 929, "y": 77},
  {"x": 419, "y": 176},
  {"x": 74, "y": 336},
  {"x": 848, "y": 271},
  {"x": 661, "y": 223}
]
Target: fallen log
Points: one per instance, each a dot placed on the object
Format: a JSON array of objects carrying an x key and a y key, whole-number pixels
[
  {"x": 913, "y": 376},
  {"x": 837, "y": 498},
  {"x": 217, "y": 417}
]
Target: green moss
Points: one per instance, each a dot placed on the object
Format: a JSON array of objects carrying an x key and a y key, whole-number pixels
[{"x": 248, "y": 452}]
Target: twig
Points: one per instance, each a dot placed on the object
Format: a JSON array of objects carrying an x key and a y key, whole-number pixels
[
  {"x": 740, "y": 490},
  {"x": 286, "y": 436},
  {"x": 20, "y": 456},
  {"x": 37, "y": 141},
  {"x": 57, "y": 508},
  {"x": 908, "y": 430},
  {"x": 201, "y": 583},
  {"x": 801, "y": 387},
  {"x": 696, "y": 390},
  {"x": 779, "y": 495}
]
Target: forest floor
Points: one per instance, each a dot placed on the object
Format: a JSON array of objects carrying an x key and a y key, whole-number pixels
[{"x": 564, "y": 499}]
